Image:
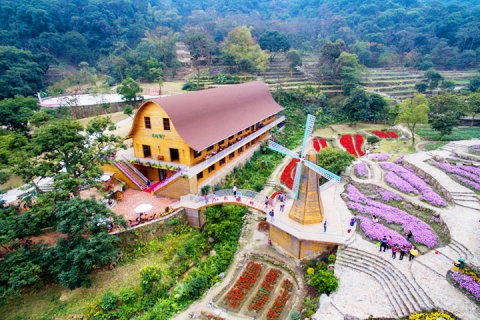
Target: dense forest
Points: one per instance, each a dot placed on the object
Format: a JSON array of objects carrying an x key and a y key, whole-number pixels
[{"x": 118, "y": 38}]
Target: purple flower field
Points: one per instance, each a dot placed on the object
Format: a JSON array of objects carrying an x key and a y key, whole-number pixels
[
  {"x": 467, "y": 175},
  {"x": 422, "y": 232},
  {"x": 468, "y": 283},
  {"x": 388, "y": 196},
  {"x": 380, "y": 157},
  {"x": 361, "y": 170},
  {"x": 406, "y": 181},
  {"x": 398, "y": 183}
]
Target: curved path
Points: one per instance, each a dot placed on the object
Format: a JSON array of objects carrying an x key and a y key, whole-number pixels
[
  {"x": 366, "y": 286},
  {"x": 371, "y": 283}
]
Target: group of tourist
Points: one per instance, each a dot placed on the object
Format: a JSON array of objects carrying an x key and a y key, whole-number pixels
[
  {"x": 386, "y": 243},
  {"x": 141, "y": 218},
  {"x": 411, "y": 250}
]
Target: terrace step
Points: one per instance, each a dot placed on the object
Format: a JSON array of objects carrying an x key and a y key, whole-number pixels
[
  {"x": 469, "y": 204},
  {"x": 405, "y": 295}
]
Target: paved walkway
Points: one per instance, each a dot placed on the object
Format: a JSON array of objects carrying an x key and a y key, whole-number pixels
[{"x": 366, "y": 285}]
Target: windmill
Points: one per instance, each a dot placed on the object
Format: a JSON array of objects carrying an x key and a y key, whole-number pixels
[{"x": 307, "y": 208}]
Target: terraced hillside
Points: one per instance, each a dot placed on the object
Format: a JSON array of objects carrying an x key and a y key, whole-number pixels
[
  {"x": 399, "y": 83},
  {"x": 279, "y": 75},
  {"x": 392, "y": 82}
]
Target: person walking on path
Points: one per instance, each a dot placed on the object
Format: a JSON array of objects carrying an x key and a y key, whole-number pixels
[
  {"x": 282, "y": 207},
  {"x": 266, "y": 202},
  {"x": 272, "y": 214},
  {"x": 403, "y": 251},
  {"x": 325, "y": 226},
  {"x": 409, "y": 236},
  {"x": 353, "y": 220},
  {"x": 206, "y": 198},
  {"x": 234, "y": 190},
  {"x": 389, "y": 242},
  {"x": 394, "y": 251},
  {"x": 413, "y": 253},
  {"x": 383, "y": 244}
]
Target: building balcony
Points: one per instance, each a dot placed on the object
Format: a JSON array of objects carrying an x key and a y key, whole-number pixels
[{"x": 215, "y": 157}]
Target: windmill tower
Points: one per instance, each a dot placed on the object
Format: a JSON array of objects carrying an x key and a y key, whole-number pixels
[{"x": 302, "y": 233}]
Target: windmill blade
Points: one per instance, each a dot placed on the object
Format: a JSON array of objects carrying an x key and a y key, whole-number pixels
[
  {"x": 308, "y": 133},
  {"x": 296, "y": 181},
  {"x": 279, "y": 148},
  {"x": 324, "y": 173}
]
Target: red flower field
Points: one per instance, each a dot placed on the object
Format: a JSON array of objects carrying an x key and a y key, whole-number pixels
[
  {"x": 288, "y": 173},
  {"x": 244, "y": 284},
  {"x": 385, "y": 134},
  {"x": 281, "y": 300},
  {"x": 266, "y": 288},
  {"x": 319, "y": 144},
  {"x": 358, "y": 144},
  {"x": 347, "y": 143}
]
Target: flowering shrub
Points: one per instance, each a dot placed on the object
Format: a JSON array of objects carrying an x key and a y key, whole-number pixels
[
  {"x": 398, "y": 160},
  {"x": 244, "y": 284},
  {"x": 420, "y": 230},
  {"x": 467, "y": 284},
  {"x": 409, "y": 180},
  {"x": 434, "y": 315},
  {"x": 380, "y": 157},
  {"x": 319, "y": 144},
  {"x": 281, "y": 300},
  {"x": 266, "y": 288},
  {"x": 361, "y": 170},
  {"x": 288, "y": 173},
  {"x": 381, "y": 134},
  {"x": 347, "y": 143},
  {"x": 358, "y": 144},
  {"x": 467, "y": 175}
]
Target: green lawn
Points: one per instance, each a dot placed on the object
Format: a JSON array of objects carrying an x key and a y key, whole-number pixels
[{"x": 458, "y": 133}]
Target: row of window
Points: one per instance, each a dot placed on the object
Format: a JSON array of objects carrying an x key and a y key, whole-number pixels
[{"x": 166, "y": 123}]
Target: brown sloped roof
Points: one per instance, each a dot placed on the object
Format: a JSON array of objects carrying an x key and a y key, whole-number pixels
[{"x": 203, "y": 118}]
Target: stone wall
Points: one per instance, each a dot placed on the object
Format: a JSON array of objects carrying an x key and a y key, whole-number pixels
[
  {"x": 80, "y": 112},
  {"x": 438, "y": 187},
  {"x": 150, "y": 230}
]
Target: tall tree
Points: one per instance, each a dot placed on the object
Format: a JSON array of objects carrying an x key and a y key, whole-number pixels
[
  {"x": 86, "y": 244},
  {"x": 239, "y": 45},
  {"x": 295, "y": 59},
  {"x": 59, "y": 150},
  {"x": 274, "y": 42},
  {"x": 201, "y": 46},
  {"x": 129, "y": 89},
  {"x": 14, "y": 113},
  {"x": 473, "y": 105},
  {"x": 413, "y": 111},
  {"x": 356, "y": 107}
]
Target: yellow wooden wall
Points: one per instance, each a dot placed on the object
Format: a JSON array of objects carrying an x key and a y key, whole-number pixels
[
  {"x": 298, "y": 248},
  {"x": 158, "y": 145}
]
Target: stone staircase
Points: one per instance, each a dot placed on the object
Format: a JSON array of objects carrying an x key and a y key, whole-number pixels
[
  {"x": 135, "y": 176},
  {"x": 402, "y": 290},
  {"x": 451, "y": 146},
  {"x": 466, "y": 199}
]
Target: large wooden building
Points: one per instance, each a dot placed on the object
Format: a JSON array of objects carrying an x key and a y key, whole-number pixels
[{"x": 179, "y": 142}]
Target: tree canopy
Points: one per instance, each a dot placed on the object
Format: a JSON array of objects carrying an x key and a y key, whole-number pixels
[
  {"x": 413, "y": 111},
  {"x": 274, "y": 42}
]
